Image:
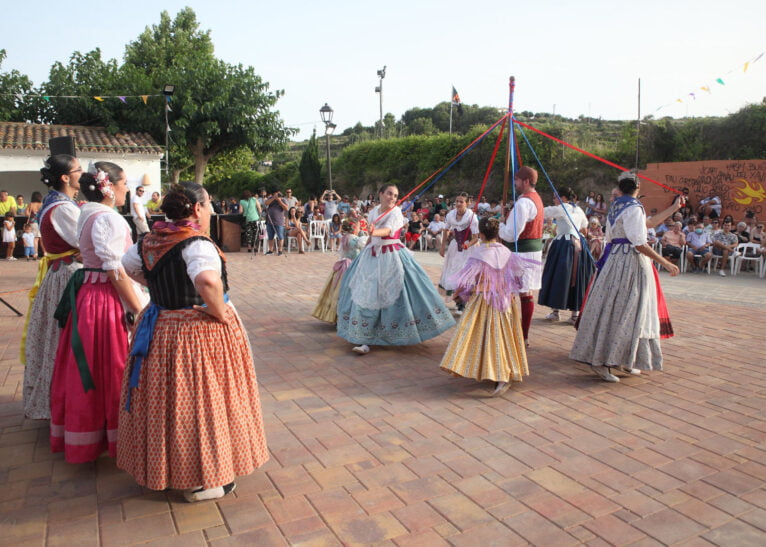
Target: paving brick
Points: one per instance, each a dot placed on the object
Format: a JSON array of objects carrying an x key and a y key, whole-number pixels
[
  {"x": 537, "y": 530},
  {"x": 735, "y": 533},
  {"x": 368, "y": 529},
  {"x": 77, "y": 531},
  {"x": 668, "y": 526},
  {"x": 138, "y": 530},
  {"x": 613, "y": 530},
  {"x": 243, "y": 515}
]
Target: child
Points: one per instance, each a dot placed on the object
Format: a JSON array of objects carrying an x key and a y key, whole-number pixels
[
  {"x": 28, "y": 237},
  {"x": 335, "y": 226},
  {"x": 9, "y": 235},
  {"x": 414, "y": 230},
  {"x": 489, "y": 344},
  {"x": 350, "y": 246}
]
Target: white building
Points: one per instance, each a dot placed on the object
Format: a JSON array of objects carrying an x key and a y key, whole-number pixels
[{"x": 24, "y": 148}]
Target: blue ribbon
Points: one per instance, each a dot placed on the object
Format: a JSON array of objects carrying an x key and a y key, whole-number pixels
[{"x": 141, "y": 342}]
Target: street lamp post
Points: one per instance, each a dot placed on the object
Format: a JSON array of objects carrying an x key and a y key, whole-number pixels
[
  {"x": 379, "y": 89},
  {"x": 167, "y": 91},
  {"x": 326, "y": 113}
]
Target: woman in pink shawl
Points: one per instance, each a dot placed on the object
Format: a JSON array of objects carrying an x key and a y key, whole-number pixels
[{"x": 488, "y": 343}]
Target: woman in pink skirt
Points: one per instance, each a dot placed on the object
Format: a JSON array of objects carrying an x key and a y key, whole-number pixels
[{"x": 95, "y": 310}]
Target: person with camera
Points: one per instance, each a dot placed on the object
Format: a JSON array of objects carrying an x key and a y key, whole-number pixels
[
  {"x": 275, "y": 222},
  {"x": 330, "y": 199}
]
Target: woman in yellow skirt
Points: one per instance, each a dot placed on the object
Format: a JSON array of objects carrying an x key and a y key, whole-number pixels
[
  {"x": 488, "y": 343},
  {"x": 351, "y": 244}
]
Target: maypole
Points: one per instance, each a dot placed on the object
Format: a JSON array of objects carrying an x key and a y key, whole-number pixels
[{"x": 509, "y": 159}]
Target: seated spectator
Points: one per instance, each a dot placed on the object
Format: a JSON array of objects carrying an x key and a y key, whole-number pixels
[
  {"x": 673, "y": 242},
  {"x": 756, "y": 234},
  {"x": 729, "y": 218},
  {"x": 651, "y": 236},
  {"x": 483, "y": 206},
  {"x": 595, "y": 238},
  {"x": 710, "y": 205},
  {"x": 667, "y": 226},
  {"x": 691, "y": 224},
  {"x": 742, "y": 234},
  {"x": 414, "y": 231},
  {"x": 724, "y": 245},
  {"x": 589, "y": 202},
  {"x": 435, "y": 232},
  {"x": 495, "y": 209},
  {"x": 699, "y": 244}
]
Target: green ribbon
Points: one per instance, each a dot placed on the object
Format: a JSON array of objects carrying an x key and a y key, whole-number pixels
[{"x": 66, "y": 306}]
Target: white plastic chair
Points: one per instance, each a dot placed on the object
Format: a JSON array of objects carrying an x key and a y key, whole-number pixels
[
  {"x": 716, "y": 258},
  {"x": 750, "y": 252},
  {"x": 318, "y": 232},
  {"x": 263, "y": 238}
]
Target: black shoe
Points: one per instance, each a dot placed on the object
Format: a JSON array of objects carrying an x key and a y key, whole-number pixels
[
  {"x": 269, "y": 253},
  {"x": 279, "y": 253}
]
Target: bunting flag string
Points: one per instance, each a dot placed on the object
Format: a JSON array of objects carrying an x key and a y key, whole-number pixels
[
  {"x": 99, "y": 98},
  {"x": 708, "y": 88}
]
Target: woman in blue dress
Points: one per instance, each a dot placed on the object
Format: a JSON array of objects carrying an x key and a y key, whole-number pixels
[{"x": 386, "y": 298}]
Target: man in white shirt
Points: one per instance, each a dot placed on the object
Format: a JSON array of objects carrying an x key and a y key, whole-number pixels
[
  {"x": 711, "y": 205},
  {"x": 435, "y": 232},
  {"x": 330, "y": 200},
  {"x": 522, "y": 232},
  {"x": 138, "y": 211},
  {"x": 483, "y": 206}
]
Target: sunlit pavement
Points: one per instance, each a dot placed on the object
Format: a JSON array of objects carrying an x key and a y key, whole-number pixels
[{"x": 386, "y": 449}]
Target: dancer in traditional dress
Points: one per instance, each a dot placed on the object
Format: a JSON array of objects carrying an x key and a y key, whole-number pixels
[
  {"x": 58, "y": 226},
  {"x": 620, "y": 325},
  {"x": 488, "y": 343},
  {"x": 351, "y": 244},
  {"x": 522, "y": 232},
  {"x": 190, "y": 415},
  {"x": 96, "y": 309},
  {"x": 463, "y": 226},
  {"x": 386, "y": 298},
  {"x": 568, "y": 266}
]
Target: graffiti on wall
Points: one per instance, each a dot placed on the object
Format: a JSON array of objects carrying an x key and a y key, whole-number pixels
[{"x": 740, "y": 184}]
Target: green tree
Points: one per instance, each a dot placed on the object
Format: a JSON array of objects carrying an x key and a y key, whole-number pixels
[
  {"x": 216, "y": 106},
  {"x": 13, "y": 108},
  {"x": 310, "y": 167}
]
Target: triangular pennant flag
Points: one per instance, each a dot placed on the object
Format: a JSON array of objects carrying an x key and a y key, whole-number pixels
[
  {"x": 47, "y": 98},
  {"x": 744, "y": 69},
  {"x": 679, "y": 100},
  {"x": 693, "y": 96},
  {"x": 720, "y": 81},
  {"x": 144, "y": 98},
  {"x": 19, "y": 96},
  {"x": 705, "y": 88},
  {"x": 122, "y": 98},
  {"x": 99, "y": 99}
]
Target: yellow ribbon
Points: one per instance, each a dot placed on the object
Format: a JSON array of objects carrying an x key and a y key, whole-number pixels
[{"x": 42, "y": 269}]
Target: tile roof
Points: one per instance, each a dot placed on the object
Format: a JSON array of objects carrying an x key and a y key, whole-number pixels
[{"x": 29, "y": 136}]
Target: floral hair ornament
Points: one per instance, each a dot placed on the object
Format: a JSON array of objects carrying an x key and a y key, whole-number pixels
[{"x": 102, "y": 181}]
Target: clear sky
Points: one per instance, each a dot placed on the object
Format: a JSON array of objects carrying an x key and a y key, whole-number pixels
[{"x": 575, "y": 57}]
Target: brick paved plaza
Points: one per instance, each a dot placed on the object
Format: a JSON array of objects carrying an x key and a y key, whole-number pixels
[{"x": 386, "y": 449}]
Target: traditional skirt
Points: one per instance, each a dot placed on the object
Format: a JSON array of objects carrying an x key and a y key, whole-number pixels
[
  {"x": 454, "y": 261},
  {"x": 620, "y": 324},
  {"x": 488, "y": 343},
  {"x": 84, "y": 424},
  {"x": 418, "y": 314},
  {"x": 565, "y": 280},
  {"x": 195, "y": 417},
  {"x": 43, "y": 340},
  {"x": 327, "y": 307}
]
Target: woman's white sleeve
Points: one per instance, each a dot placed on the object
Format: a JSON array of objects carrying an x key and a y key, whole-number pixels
[
  {"x": 108, "y": 234},
  {"x": 131, "y": 262},
  {"x": 200, "y": 256},
  {"x": 64, "y": 218},
  {"x": 634, "y": 224}
]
